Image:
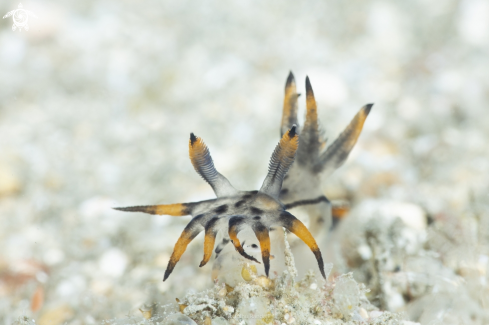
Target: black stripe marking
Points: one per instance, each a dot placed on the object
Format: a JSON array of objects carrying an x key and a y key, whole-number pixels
[
  {"x": 193, "y": 138},
  {"x": 221, "y": 209},
  {"x": 292, "y": 132},
  {"x": 307, "y": 202},
  {"x": 256, "y": 211},
  {"x": 249, "y": 194},
  {"x": 239, "y": 203}
]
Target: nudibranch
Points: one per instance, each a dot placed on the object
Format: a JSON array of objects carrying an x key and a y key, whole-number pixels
[
  {"x": 314, "y": 162},
  {"x": 234, "y": 210}
]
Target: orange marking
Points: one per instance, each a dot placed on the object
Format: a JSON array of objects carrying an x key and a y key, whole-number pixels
[
  {"x": 197, "y": 152},
  {"x": 298, "y": 228},
  {"x": 176, "y": 210},
  {"x": 340, "y": 211},
  {"x": 233, "y": 235},
  {"x": 289, "y": 115},
  {"x": 356, "y": 125},
  {"x": 37, "y": 299},
  {"x": 311, "y": 106},
  {"x": 234, "y": 238},
  {"x": 209, "y": 241},
  {"x": 185, "y": 238},
  {"x": 264, "y": 240},
  {"x": 288, "y": 145},
  {"x": 350, "y": 135},
  {"x": 341, "y": 147},
  {"x": 282, "y": 159},
  {"x": 310, "y": 143},
  {"x": 303, "y": 233},
  {"x": 262, "y": 234}
]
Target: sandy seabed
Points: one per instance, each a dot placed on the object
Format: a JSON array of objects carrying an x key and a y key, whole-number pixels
[{"x": 97, "y": 102}]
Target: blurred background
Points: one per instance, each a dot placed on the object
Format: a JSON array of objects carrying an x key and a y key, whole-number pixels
[{"x": 97, "y": 100}]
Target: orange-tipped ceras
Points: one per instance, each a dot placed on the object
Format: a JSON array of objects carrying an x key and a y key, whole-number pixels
[
  {"x": 302, "y": 186},
  {"x": 234, "y": 210}
]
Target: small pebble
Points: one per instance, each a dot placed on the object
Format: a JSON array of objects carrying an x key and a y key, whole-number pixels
[
  {"x": 223, "y": 292},
  {"x": 147, "y": 311},
  {"x": 263, "y": 281},
  {"x": 248, "y": 272},
  {"x": 363, "y": 313}
]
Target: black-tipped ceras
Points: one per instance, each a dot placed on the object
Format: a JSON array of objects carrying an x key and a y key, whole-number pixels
[
  {"x": 233, "y": 210},
  {"x": 302, "y": 185}
]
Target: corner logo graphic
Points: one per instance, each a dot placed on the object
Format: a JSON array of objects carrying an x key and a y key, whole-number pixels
[{"x": 20, "y": 17}]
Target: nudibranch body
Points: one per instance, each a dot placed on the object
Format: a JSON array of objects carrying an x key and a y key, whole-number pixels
[
  {"x": 234, "y": 210},
  {"x": 302, "y": 185}
]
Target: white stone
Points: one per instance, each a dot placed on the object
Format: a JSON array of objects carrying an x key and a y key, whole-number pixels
[
  {"x": 365, "y": 252},
  {"x": 53, "y": 256},
  {"x": 473, "y": 21},
  {"x": 363, "y": 313},
  {"x": 71, "y": 286},
  {"x": 113, "y": 262}
]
